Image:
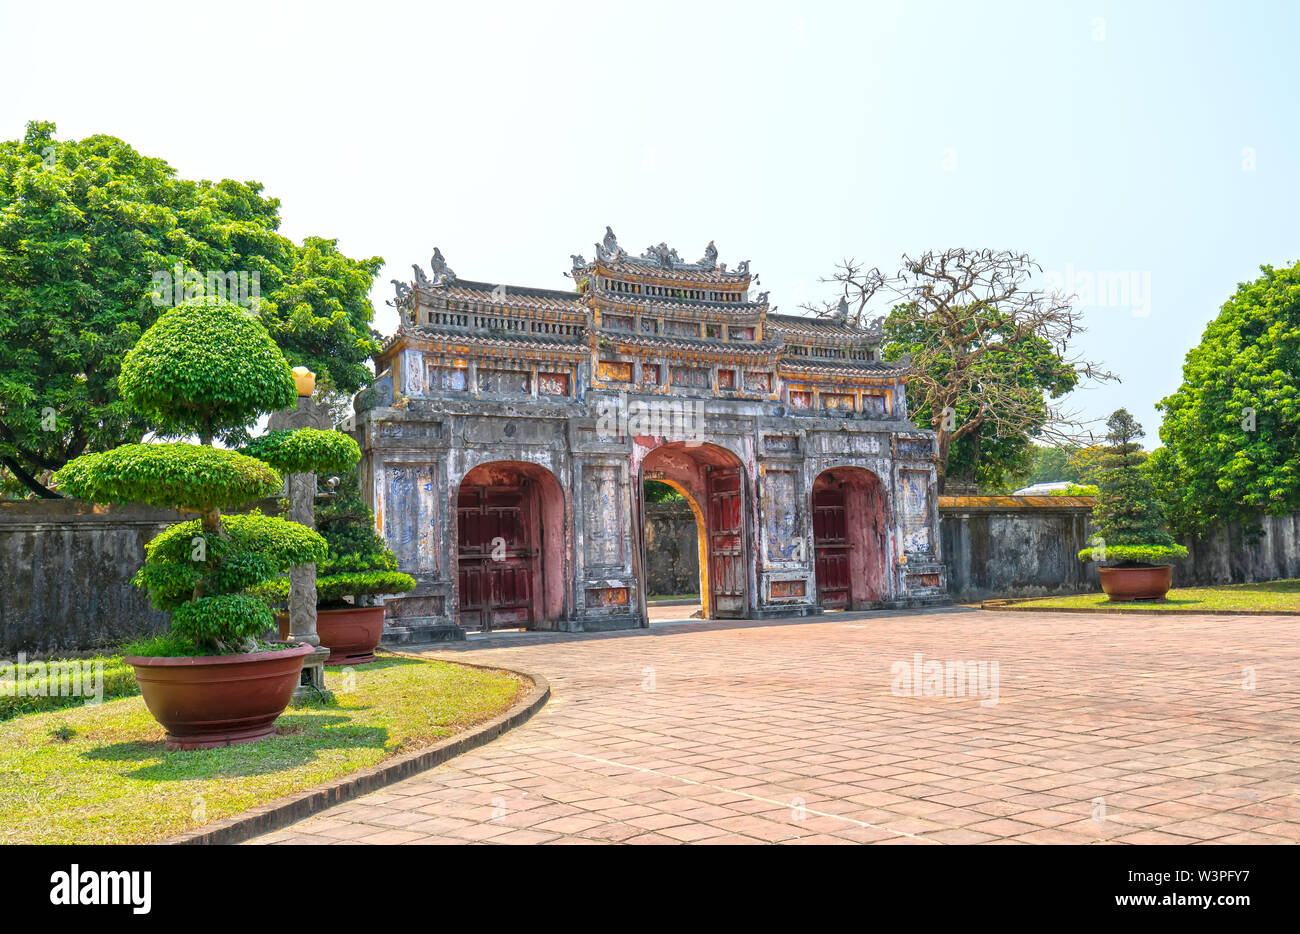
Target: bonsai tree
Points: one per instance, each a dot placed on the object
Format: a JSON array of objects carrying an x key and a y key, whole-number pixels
[
  {"x": 358, "y": 564},
  {"x": 1130, "y": 522},
  {"x": 205, "y": 368}
]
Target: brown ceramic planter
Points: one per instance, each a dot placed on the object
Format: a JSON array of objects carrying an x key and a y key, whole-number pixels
[
  {"x": 350, "y": 633},
  {"x": 1122, "y": 584},
  {"x": 219, "y": 700}
]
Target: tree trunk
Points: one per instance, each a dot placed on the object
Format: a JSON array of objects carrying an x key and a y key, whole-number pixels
[
  {"x": 28, "y": 480},
  {"x": 945, "y": 445},
  {"x": 210, "y": 521}
]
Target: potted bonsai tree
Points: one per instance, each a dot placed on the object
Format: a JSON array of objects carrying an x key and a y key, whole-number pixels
[
  {"x": 1132, "y": 542},
  {"x": 206, "y": 368},
  {"x": 356, "y": 572}
]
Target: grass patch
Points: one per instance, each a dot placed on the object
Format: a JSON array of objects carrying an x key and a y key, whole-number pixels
[
  {"x": 99, "y": 774},
  {"x": 1265, "y": 597}
]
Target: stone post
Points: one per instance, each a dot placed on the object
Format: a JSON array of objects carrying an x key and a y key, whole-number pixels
[{"x": 301, "y": 489}]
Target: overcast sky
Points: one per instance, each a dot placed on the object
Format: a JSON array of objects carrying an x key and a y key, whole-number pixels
[{"x": 1156, "y": 143}]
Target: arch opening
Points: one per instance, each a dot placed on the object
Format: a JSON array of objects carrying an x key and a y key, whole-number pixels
[
  {"x": 850, "y": 536},
  {"x": 510, "y": 547},
  {"x": 713, "y": 481}
]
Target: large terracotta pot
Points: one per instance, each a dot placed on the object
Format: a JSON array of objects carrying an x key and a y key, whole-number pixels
[
  {"x": 350, "y": 633},
  {"x": 219, "y": 700},
  {"x": 1123, "y": 584}
]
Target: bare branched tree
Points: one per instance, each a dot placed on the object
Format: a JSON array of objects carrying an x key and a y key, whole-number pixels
[{"x": 981, "y": 341}]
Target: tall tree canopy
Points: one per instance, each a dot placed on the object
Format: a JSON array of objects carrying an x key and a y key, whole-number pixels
[
  {"x": 987, "y": 352},
  {"x": 86, "y": 229},
  {"x": 1232, "y": 429},
  {"x": 992, "y": 427}
]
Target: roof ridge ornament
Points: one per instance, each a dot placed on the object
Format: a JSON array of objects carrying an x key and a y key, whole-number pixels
[
  {"x": 667, "y": 258},
  {"x": 608, "y": 249},
  {"x": 442, "y": 273},
  {"x": 710, "y": 258}
]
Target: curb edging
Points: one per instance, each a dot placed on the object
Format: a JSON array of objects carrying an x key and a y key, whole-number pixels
[
  {"x": 1018, "y": 605},
  {"x": 288, "y": 810}
]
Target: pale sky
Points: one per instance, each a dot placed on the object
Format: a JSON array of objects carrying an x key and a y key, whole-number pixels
[{"x": 1157, "y": 141}]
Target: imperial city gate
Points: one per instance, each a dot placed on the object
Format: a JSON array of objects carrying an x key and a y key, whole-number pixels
[{"x": 510, "y": 431}]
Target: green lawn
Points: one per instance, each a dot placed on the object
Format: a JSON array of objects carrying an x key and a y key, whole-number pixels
[
  {"x": 112, "y": 781},
  {"x": 1267, "y": 597}
]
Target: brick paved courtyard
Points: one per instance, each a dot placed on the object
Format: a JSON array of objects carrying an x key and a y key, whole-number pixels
[{"x": 789, "y": 732}]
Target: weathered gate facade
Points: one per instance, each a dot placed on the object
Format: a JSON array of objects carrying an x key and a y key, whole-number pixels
[{"x": 510, "y": 431}]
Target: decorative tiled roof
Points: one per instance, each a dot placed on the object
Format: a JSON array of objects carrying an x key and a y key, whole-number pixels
[
  {"x": 661, "y": 260},
  {"x": 492, "y": 295},
  {"x": 628, "y": 304},
  {"x": 824, "y": 367},
  {"x": 447, "y": 309},
  {"x": 511, "y": 342},
  {"x": 825, "y": 328},
  {"x": 692, "y": 344}
]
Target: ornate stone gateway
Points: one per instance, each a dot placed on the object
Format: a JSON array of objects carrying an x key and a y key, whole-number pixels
[{"x": 510, "y": 431}]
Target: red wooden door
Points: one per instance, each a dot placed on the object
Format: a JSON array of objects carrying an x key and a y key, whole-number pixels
[
  {"x": 727, "y": 542},
  {"x": 830, "y": 534},
  {"x": 496, "y": 557}
]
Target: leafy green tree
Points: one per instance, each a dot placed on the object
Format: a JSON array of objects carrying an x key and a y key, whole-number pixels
[
  {"x": 1231, "y": 431},
  {"x": 656, "y": 492},
  {"x": 996, "y": 404},
  {"x": 87, "y": 228},
  {"x": 1130, "y": 522}
]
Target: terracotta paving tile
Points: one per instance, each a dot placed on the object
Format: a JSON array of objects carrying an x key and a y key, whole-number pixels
[
  {"x": 389, "y": 837},
  {"x": 788, "y": 732}
]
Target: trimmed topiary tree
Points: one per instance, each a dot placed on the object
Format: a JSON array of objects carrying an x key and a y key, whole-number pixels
[
  {"x": 305, "y": 450},
  {"x": 1129, "y": 518},
  {"x": 206, "y": 367},
  {"x": 358, "y": 565}
]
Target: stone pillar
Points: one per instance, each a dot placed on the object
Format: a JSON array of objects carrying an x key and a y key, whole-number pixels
[{"x": 302, "y": 578}]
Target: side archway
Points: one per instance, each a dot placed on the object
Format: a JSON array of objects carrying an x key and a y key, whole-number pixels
[
  {"x": 851, "y": 538},
  {"x": 511, "y": 568},
  {"x": 713, "y": 481}
]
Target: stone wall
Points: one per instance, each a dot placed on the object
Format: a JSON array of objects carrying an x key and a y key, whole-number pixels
[
  {"x": 672, "y": 549},
  {"x": 1027, "y": 546},
  {"x": 1234, "y": 556},
  {"x": 66, "y": 566},
  {"x": 1015, "y": 546},
  {"x": 65, "y": 575}
]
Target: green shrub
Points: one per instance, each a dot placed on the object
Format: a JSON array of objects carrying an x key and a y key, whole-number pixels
[
  {"x": 186, "y": 476},
  {"x": 206, "y": 367},
  {"x": 358, "y": 563},
  {"x": 232, "y": 618},
  {"x": 183, "y": 560},
  {"x": 332, "y": 588},
  {"x": 305, "y": 450},
  {"x": 1134, "y": 554},
  {"x": 119, "y": 681},
  {"x": 1077, "y": 489}
]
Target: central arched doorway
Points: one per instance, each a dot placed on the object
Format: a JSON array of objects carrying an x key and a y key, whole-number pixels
[
  {"x": 510, "y": 547},
  {"x": 850, "y": 538},
  {"x": 713, "y": 481}
]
